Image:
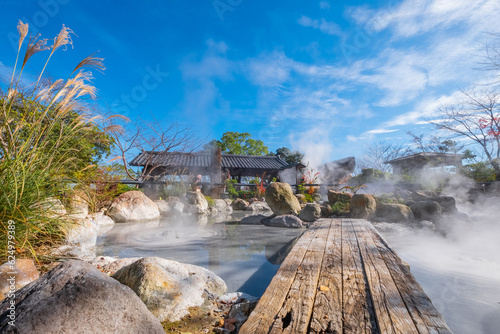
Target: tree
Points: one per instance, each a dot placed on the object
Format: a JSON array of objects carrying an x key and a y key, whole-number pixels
[
  {"x": 376, "y": 154},
  {"x": 150, "y": 138},
  {"x": 433, "y": 144},
  {"x": 291, "y": 157},
  {"x": 239, "y": 143},
  {"x": 475, "y": 117}
]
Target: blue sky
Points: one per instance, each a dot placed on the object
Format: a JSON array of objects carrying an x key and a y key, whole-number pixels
[{"x": 323, "y": 77}]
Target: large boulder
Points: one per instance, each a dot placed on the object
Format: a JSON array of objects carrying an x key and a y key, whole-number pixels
[
  {"x": 281, "y": 200},
  {"x": 447, "y": 203},
  {"x": 198, "y": 204},
  {"x": 289, "y": 221},
  {"x": 394, "y": 213},
  {"x": 363, "y": 206},
  {"x": 222, "y": 206},
  {"x": 76, "y": 298},
  {"x": 259, "y": 207},
  {"x": 24, "y": 272},
  {"x": 133, "y": 206},
  {"x": 239, "y": 204},
  {"x": 326, "y": 210},
  {"x": 310, "y": 212},
  {"x": 82, "y": 233},
  {"x": 252, "y": 220},
  {"x": 427, "y": 210},
  {"x": 336, "y": 196},
  {"x": 169, "y": 288}
]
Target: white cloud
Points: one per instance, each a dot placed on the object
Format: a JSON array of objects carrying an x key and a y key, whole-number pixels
[
  {"x": 380, "y": 131},
  {"x": 324, "y": 26},
  {"x": 411, "y": 17}
]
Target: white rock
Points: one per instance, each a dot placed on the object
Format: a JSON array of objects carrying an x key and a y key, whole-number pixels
[
  {"x": 82, "y": 233},
  {"x": 133, "y": 206},
  {"x": 169, "y": 288}
]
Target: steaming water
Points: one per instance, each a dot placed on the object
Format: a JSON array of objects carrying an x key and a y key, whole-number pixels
[
  {"x": 460, "y": 272},
  {"x": 246, "y": 257}
]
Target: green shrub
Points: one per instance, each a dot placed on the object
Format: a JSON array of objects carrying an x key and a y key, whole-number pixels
[
  {"x": 211, "y": 202},
  {"x": 309, "y": 198},
  {"x": 479, "y": 172},
  {"x": 46, "y": 137},
  {"x": 341, "y": 207},
  {"x": 232, "y": 193}
]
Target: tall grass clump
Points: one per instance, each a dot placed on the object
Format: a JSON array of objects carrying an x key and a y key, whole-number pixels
[{"x": 41, "y": 126}]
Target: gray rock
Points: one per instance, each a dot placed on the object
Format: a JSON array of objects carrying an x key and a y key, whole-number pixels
[
  {"x": 252, "y": 220},
  {"x": 422, "y": 195},
  {"x": 239, "y": 204},
  {"x": 169, "y": 288},
  {"x": 133, "y": 206},
  {"x": 310, "y": 212},
  {"x": 427, "y": 210},
  {"x": 394, "y": 213},
  {"x": 289, "y": 221},
  {"x": 259, "y": 207},
  {"x": 326, "y": 210},
  {"x": 281, "y": 200},
  {"x": 447, "y": 203},
  {"x": 76, "y": 298}
]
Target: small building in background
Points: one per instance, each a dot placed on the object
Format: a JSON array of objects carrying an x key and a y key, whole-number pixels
[{"x": 412, "y": 164}]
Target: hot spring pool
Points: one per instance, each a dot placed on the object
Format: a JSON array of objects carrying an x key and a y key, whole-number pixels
[
  {"x": 246, "y": 257},
  {"x": 460, "y": 273}
]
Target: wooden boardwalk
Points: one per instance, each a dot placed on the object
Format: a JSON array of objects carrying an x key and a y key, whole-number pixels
[{"x": 341, "y": 277}]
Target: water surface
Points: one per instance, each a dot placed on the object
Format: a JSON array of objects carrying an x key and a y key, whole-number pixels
[{"x": 246, "y": 257}]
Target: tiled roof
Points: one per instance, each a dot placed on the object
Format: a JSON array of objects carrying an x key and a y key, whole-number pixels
[{"x": 175, "y": 159}]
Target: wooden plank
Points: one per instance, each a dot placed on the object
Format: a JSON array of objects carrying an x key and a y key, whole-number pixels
[
  {"x": 327, "y": 311},
  {"x": 425, "y": 316},
  {"x": 390, "y": 309},
  {"x": 262, "y": 318},
  {"x": 356, "y": 301},
  {"x": 295, "y": 315}
]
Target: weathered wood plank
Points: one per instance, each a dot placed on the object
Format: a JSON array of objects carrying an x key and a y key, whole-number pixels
[
  {"x": 262, "y": 318},
  {"x": 327, "y": 311},
  {"x": 390, "y": 309},
  {"x": 295, "y": 315},
  {"x": 425, "y": 316},
  {"x": 356, "y": 300}
]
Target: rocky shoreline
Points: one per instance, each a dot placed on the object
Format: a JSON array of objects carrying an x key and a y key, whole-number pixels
[{"x": 154, "y": 295}]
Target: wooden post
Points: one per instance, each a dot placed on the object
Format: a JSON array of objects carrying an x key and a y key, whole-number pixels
[{"x": 216, "y": 173}]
